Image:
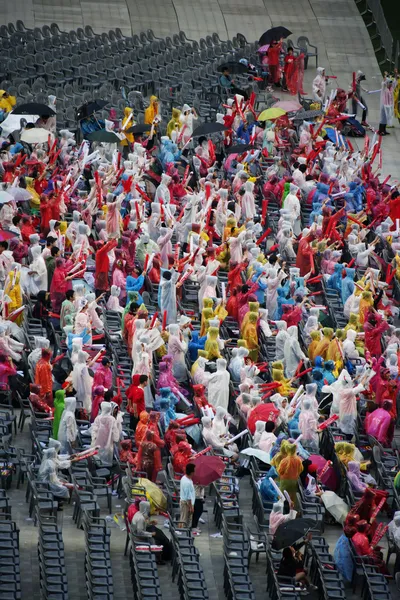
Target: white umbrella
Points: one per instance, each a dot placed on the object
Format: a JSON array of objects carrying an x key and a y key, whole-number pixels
[
  {"x": 336, "y": 506},
  {"x": 19, "y": 194},
  {"x": 13, "y": 122},
  {"x": 5, "y": 197},
  {"x": 37, "y": 135},
  {"x": 260, "y": 454}
]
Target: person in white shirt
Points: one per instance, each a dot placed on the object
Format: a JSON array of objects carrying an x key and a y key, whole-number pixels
[{"x": 187, "y": 497}]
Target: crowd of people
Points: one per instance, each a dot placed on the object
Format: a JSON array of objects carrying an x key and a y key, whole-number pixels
[{"x": 256, "y": 291}]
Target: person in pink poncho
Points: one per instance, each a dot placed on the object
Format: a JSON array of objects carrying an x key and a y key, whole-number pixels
[
  {"x": 103, "y": 375},
  {"x": 164, "y": 243},
  {"x": 277, "y": 517},
  {"x": 380, "y": 424},
  {"x": 119, "y": 279},
  {"x": 113, "y": 219}
]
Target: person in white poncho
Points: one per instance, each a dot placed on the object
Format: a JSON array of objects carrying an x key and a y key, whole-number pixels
[
  {"x": 82, "y": 381},
  {"x": 105, "y": 433},
  {"x": 68, "y": 430}
]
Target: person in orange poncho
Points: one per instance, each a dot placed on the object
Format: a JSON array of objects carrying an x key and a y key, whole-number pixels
[
  {"x": 181, "y": 458},
  {"x": 289, "y": 471},
  {"x": 43, "y": 376},
  {"x": 141, "y": 427}
]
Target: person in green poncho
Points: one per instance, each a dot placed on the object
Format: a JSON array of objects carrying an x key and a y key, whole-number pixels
[{"x": 59, "y": 397}]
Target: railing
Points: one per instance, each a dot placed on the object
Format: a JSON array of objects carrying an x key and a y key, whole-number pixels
[{"x": 373, "y": 9}]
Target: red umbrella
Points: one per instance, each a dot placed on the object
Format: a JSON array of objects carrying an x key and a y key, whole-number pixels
[
  {"x": 262, "y": 412},
  {"x": 208, "y": 469},
  {"x": 6, "y": 235},
  {"x": 328, "y": 478}
]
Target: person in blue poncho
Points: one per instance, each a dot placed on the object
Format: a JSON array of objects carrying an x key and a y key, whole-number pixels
[
  {"x": 318, "y": 378},
  {"x": 267, "y": 490},
  {"x": 261, "y": 282},
  {"x": 319, "y": 363},
  {"x": 335, "y": 280},
  {"x": 165, "y": 403},
  {"x": 196, "y": 343},
  {"x": 282, "y": 299},
  {"x": 348, "y": 285},
  {"x": 327, "y": 373},
  {"x": 135, "y": 285}
]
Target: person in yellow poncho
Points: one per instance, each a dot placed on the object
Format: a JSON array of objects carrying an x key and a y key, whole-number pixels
[
  {"x": 13, "y": 291},
  {"x": 211, "y": 346},
  {"x": 128, "y": 122},
  {"x": 35, "y": 200},
  {"x": 7, "y": 102},
  {"x": 151, "y": 111},
  {"x": 322, "y": 348},
  {"x": 333, "y": 352},
  {"x": 200, "y": 354},
  {"x": 254, "y": 307},
  {"x": 249, "y": 333},
  {"x": 283, "y": 452},
  {"x": 366, "y": 303},
  {"x": 278, "y": 375},
  {"x": 174, "y": 124},
  {"x": 206, "y": 314}
]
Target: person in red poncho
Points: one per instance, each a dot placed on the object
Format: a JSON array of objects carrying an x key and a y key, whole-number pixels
[
  {"x": 305, "y": 255},
  {"x": 43, "y": 376},
  {"x": 394, "y": 207},
  {"x": 149, "y": 455},
  {"x": 35, "y": 397},
  {"x": 362, "y": 545},
  {"x": 181, "y": 458},
  {"x": 273, "y": 62},
  {"x": 374, "y": 327},
  {"x": 59, "y": 285},
  {"x": 103, "y": 266},
  {"x": 135, "y": 396},
  {"x": 170, "y": 434},
  {"x": 27, "y": 228},
  {"x": 98, "y": 398}
]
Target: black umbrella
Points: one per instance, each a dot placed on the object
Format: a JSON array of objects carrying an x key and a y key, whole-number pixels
[
  {"x": 207, "y": 128},
  {"x": 86, "y": 110},
  {"x": 103, "y": 136},
  {"x": 274, "y": 35},
  {"x": 290, "y": 532},
  {"x": 239, "y": 148},
  {"x": 34, "y": 108},
  {"x": 235, "y": 68},
  {"x": 304, "y": 115},
  {"x": 139, "y": 128}
]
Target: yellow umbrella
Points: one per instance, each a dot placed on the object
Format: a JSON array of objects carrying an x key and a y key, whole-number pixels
[
  {"x": 155, "y": 496},
  {"x": 271, "y": 113}
]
